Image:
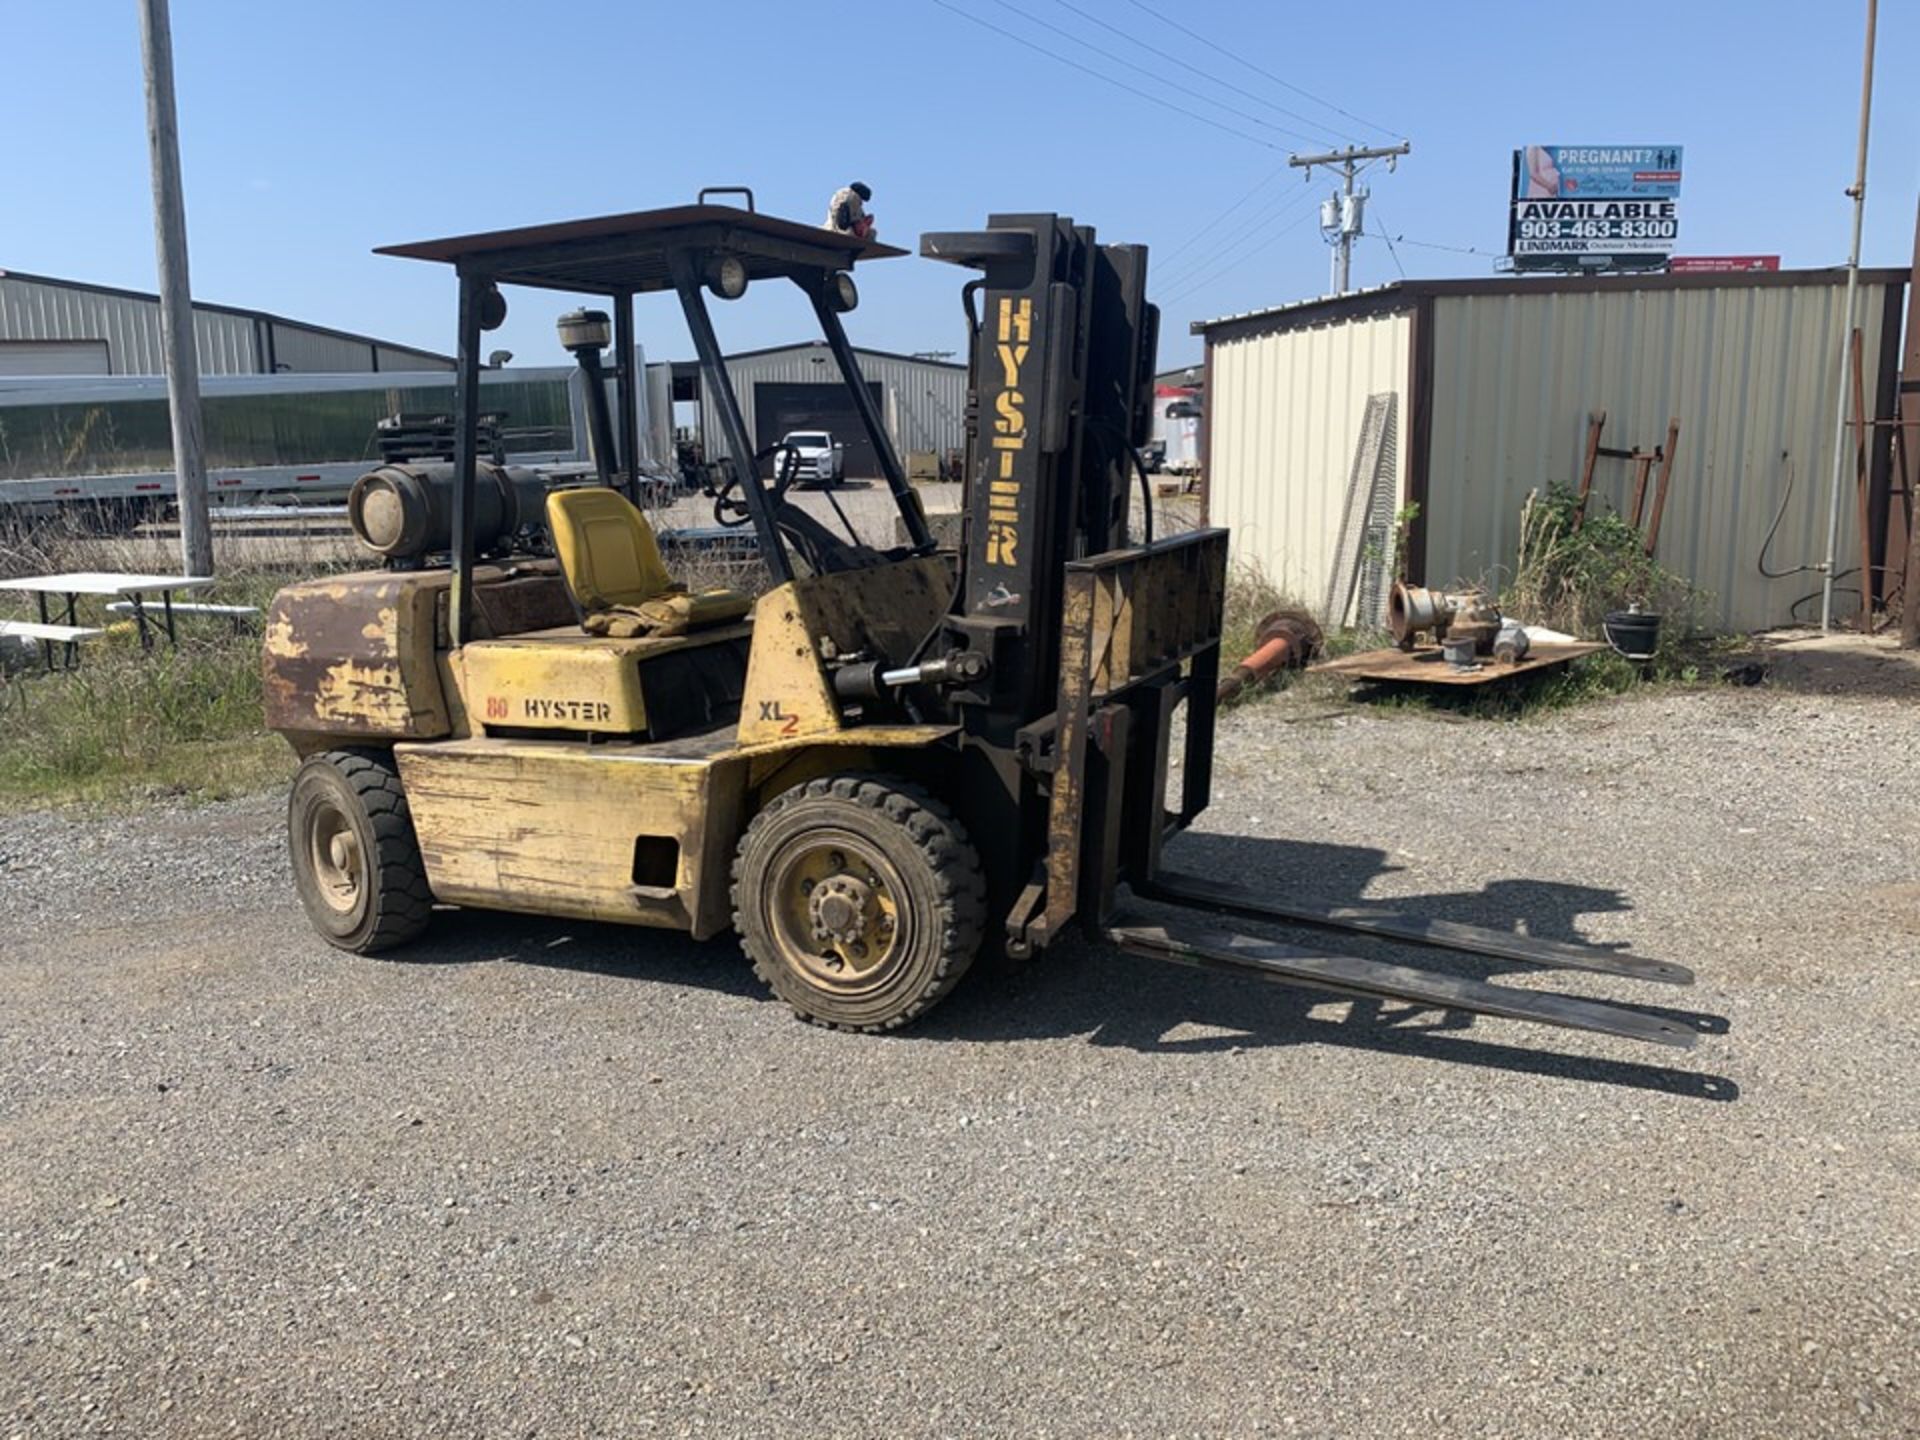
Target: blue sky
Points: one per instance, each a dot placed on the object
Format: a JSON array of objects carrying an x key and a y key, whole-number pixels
[{"x": 313, "y": 132}]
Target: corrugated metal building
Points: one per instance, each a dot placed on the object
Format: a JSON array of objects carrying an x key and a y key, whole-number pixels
[
  {"x": 1493, "y": 381},
  {"x": 65, "y": 327},
  {"x": 797, "y": 387}
]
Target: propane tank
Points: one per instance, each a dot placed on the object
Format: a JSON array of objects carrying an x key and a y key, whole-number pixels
[{"x": 404, "y": 511}]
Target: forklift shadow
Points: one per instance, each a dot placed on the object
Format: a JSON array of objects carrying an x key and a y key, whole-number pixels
[
  {"x": 1340, "y": 875},
  {"x": 1120, "y": 1000},
  {"x": 1083, "y": 988},
  {"x": 1079, "y": 988},
  {"x": 664, "y": 957}
]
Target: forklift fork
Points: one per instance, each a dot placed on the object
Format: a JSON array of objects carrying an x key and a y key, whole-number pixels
[{"x": 1207, "y": 948}]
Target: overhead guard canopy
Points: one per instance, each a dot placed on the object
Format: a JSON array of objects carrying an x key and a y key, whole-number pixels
[{"x": 610, "y": 254}]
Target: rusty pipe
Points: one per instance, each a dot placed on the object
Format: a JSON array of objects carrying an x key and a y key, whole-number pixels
[{"x": 1289, "y": 640}]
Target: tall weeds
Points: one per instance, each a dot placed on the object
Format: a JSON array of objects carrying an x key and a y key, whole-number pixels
[{"x": 1569, "y": 576}]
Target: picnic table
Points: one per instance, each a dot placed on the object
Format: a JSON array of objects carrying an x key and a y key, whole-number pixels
[{"x": 70, "y": 585}]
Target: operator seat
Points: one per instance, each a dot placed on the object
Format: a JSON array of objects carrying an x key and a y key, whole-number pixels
[{"x": 614, "y": 572}]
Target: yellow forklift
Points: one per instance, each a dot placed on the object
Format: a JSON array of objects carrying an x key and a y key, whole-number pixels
[{"x": 895, "y": 757}]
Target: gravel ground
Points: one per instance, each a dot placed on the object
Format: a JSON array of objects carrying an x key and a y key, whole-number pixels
[{"x": 559, "y": 1180}]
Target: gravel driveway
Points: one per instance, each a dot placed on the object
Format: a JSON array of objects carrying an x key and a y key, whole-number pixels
[{"x": 560, "y": 1180}]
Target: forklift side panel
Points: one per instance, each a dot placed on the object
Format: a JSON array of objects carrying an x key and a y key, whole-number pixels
[
  {"x": 566, "y": 680},
  {"x": 883, "y": 610},
  {"x": 354, "y": 656},
  {"x": 637, "y": 835}
]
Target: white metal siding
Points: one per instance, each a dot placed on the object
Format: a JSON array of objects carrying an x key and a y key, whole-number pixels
[
  {"x": 1283, "y": 417},
  {"x": 53, "y": 357},
  {"x": 310, "y": 352},
  {"x": 1749, "y": 370},
  {"x": 130, "y": 325},
  {"x": 410, "y": 360},
  {"x": 922, "y": 403}
]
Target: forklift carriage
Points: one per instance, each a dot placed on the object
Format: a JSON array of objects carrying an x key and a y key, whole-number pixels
[{"x": 899, "y": 756}]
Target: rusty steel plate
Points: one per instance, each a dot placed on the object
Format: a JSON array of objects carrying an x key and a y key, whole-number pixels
[{"x": 1426, "y": 666}]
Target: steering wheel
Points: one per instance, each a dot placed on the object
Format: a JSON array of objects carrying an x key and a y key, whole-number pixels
[{"x": 735, "y": 513}]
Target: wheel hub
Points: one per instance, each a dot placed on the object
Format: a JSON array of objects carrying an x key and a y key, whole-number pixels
[
  {"x": 837, "y": 910},
  {"x": 336, "y": 862},
  {"x": 840, "y": 907}
]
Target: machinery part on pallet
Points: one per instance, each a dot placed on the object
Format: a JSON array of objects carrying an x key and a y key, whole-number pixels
[
  {"x": 1288, "y": 640},
  {"x": 1467, "y": 614},
  {"x": 356, "y": 862},
  {"x": 406, "y": 511},
  {"x": 1205, "y": 948},
  {"x": 1510, "y": 645},
  {"x": 859, "y": 899},
  {"x": 1228, "y": 899}
]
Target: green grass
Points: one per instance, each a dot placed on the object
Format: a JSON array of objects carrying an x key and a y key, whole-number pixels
[{"x": 130, "y": 725}]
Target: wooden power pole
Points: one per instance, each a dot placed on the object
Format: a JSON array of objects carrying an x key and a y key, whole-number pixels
[
  {"x": 1347, "y": 209},
  {"x": 1907, "y": 406},
  {"x": 177, "y": 348}
]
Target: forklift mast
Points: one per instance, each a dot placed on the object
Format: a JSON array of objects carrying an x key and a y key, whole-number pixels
[
  {"x": 1060, "y": 381},
  {"x": 1094, "y": 636}
]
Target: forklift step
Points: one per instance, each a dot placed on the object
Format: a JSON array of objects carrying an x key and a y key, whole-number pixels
[
  {"x": 1390, "y": 924},
  {"x": 1206, "y": 948}
]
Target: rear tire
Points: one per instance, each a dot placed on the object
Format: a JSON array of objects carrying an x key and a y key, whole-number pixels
[
  {"x": 859, "y": 899},
  {"x": 356, "y": 861}
]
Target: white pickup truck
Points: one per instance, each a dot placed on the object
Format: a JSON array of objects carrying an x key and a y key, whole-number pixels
[{"x": 821, "y": 462}]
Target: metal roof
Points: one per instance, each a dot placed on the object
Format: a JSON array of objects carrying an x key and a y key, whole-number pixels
[
  {"x": 1395, "y": 295},
  {"x": 608, "y": 254},
  {"x": 212, "y": 308},
  {"x": 821, "y": 345}
]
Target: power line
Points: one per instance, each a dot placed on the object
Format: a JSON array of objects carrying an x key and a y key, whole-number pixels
[
  {"x": 1190, "y": 241},
  {"x": 1391, "y": 250},
  {"x": 1238, "y": 231},
  {"x": 1106, "y": 79},
  {"x": 1434, "y": 245},
  {"x": 1143, "y": 70},
  {"x": 1194, "y": 286},
  {"x": 1206, "y": 75},
  {"x": 1247, "y": 228},
  {"x": 1240, "y": 60},
  {"x": 1395, "y": 254},
  {"x": 1187, "y": 292}
]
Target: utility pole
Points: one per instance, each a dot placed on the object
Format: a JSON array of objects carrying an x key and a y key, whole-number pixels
[
  {"x": 1858, "y": 193},
  {"x": 1342, "y": 216},
  {"x": 1907, "y": 437},
  {"x": 177, "y": 349}
]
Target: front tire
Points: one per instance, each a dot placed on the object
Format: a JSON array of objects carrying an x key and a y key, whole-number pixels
[
  {"x": 859, "y": 899},
  {"x": 356, "y": 862}
]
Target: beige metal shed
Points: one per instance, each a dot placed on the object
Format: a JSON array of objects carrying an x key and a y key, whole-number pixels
[{"x": 1492, "y": 383}]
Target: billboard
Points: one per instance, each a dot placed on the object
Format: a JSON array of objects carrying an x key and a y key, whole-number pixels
[{"x": 1594, "y": 207}]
